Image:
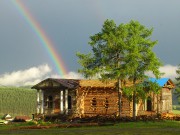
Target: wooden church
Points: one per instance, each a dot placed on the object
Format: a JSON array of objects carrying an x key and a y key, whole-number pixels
[{"x": 92, "y": 97}]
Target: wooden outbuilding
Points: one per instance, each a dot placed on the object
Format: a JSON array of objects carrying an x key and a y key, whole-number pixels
[{"x": 93, "y": 97}]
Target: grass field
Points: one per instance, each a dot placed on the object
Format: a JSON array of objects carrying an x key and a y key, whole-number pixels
[
  {"x": 176, "y": 109},
  {"x": 17, "y": 101},
  {"x": 130, "y": 128}
]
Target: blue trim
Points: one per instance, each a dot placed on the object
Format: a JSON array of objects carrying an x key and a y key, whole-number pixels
[{"x": 161, "y": 81}]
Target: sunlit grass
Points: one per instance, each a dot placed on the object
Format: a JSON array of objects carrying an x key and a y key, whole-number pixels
[
  {"x": 123, "y": 128},
  {"x": 176, "y": 111}
]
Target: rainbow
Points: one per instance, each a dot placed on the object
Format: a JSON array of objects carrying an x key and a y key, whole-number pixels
[{"x": 41, "y": 35}]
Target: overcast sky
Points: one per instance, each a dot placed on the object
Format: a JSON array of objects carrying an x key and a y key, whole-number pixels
[{"x": 69, "y": 23}]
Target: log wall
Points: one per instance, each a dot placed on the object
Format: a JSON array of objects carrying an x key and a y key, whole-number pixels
[
  {"x": 166, "y": 100},
  {"x": 161, "y": 103},
  {"x": 96, "y": 101}
]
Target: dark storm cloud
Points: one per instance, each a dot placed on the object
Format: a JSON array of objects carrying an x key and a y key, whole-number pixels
[{"x": 69, "y": 24}]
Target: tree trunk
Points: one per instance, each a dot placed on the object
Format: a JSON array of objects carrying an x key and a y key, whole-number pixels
[
  {"x": 119, "y": 96},
  {"x": 134, "y": 105},
  {"x": 134, "y": 100}
]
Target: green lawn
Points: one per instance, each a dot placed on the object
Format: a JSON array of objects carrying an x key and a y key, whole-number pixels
[
  {"x": 176, "y": 111},
  {"x": 129, "y": 128}
]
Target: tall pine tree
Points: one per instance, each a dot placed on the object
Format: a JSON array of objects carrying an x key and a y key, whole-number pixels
[
  {"x": 121, "y": 52},
  {"x": 140, "y": 57}
]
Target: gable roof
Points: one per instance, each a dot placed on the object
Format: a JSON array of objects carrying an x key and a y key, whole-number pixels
[
  {"x": 163, "y": 82},
  {"x": 56, "y": 83}
]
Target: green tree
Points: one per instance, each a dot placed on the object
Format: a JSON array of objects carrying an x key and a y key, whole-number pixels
[
  {"x": 177, "y": 90},
  {"x": 139, "y": 57},
  {"x": 108, "y": 48},
  {"x": 120, "y": 52}
]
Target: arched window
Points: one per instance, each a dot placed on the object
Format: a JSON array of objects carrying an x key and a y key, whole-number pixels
[
  {"x": 69, "y": 102},
  {"x": 49, "y": 102},
  {"x": 94, "y": 103},
  {"x": 149, "y": 104},
  {"x": 106, "y": 104}
]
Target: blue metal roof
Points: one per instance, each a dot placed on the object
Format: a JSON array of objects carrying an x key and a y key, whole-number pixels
[{"x": 161, "y": 81}]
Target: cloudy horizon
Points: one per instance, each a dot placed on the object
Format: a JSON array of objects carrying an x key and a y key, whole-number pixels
[{"x": 33, "y": 75}]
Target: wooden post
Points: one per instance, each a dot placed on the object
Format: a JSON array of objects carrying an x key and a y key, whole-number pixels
[
  {"x": 136, "y": 109},
  {"x": 134, "y": 105},
  {"x": 61, "y": 102},
  {"x": 66, "y": 101},
  {"x": 38, "y": 99},
  {"x": 42, "y": 101},
  {"x": 145, "y": 105},
  {"x": 157, "y": 104}
]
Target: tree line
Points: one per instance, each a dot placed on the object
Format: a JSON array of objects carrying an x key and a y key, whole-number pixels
[{"x": 177, "y": 90}]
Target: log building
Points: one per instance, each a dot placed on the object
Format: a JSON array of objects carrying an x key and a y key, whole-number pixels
[{"x": 92, "y": 97}]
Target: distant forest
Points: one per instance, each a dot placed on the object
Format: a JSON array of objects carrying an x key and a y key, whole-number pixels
[{"x": 17, "y": 101}]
